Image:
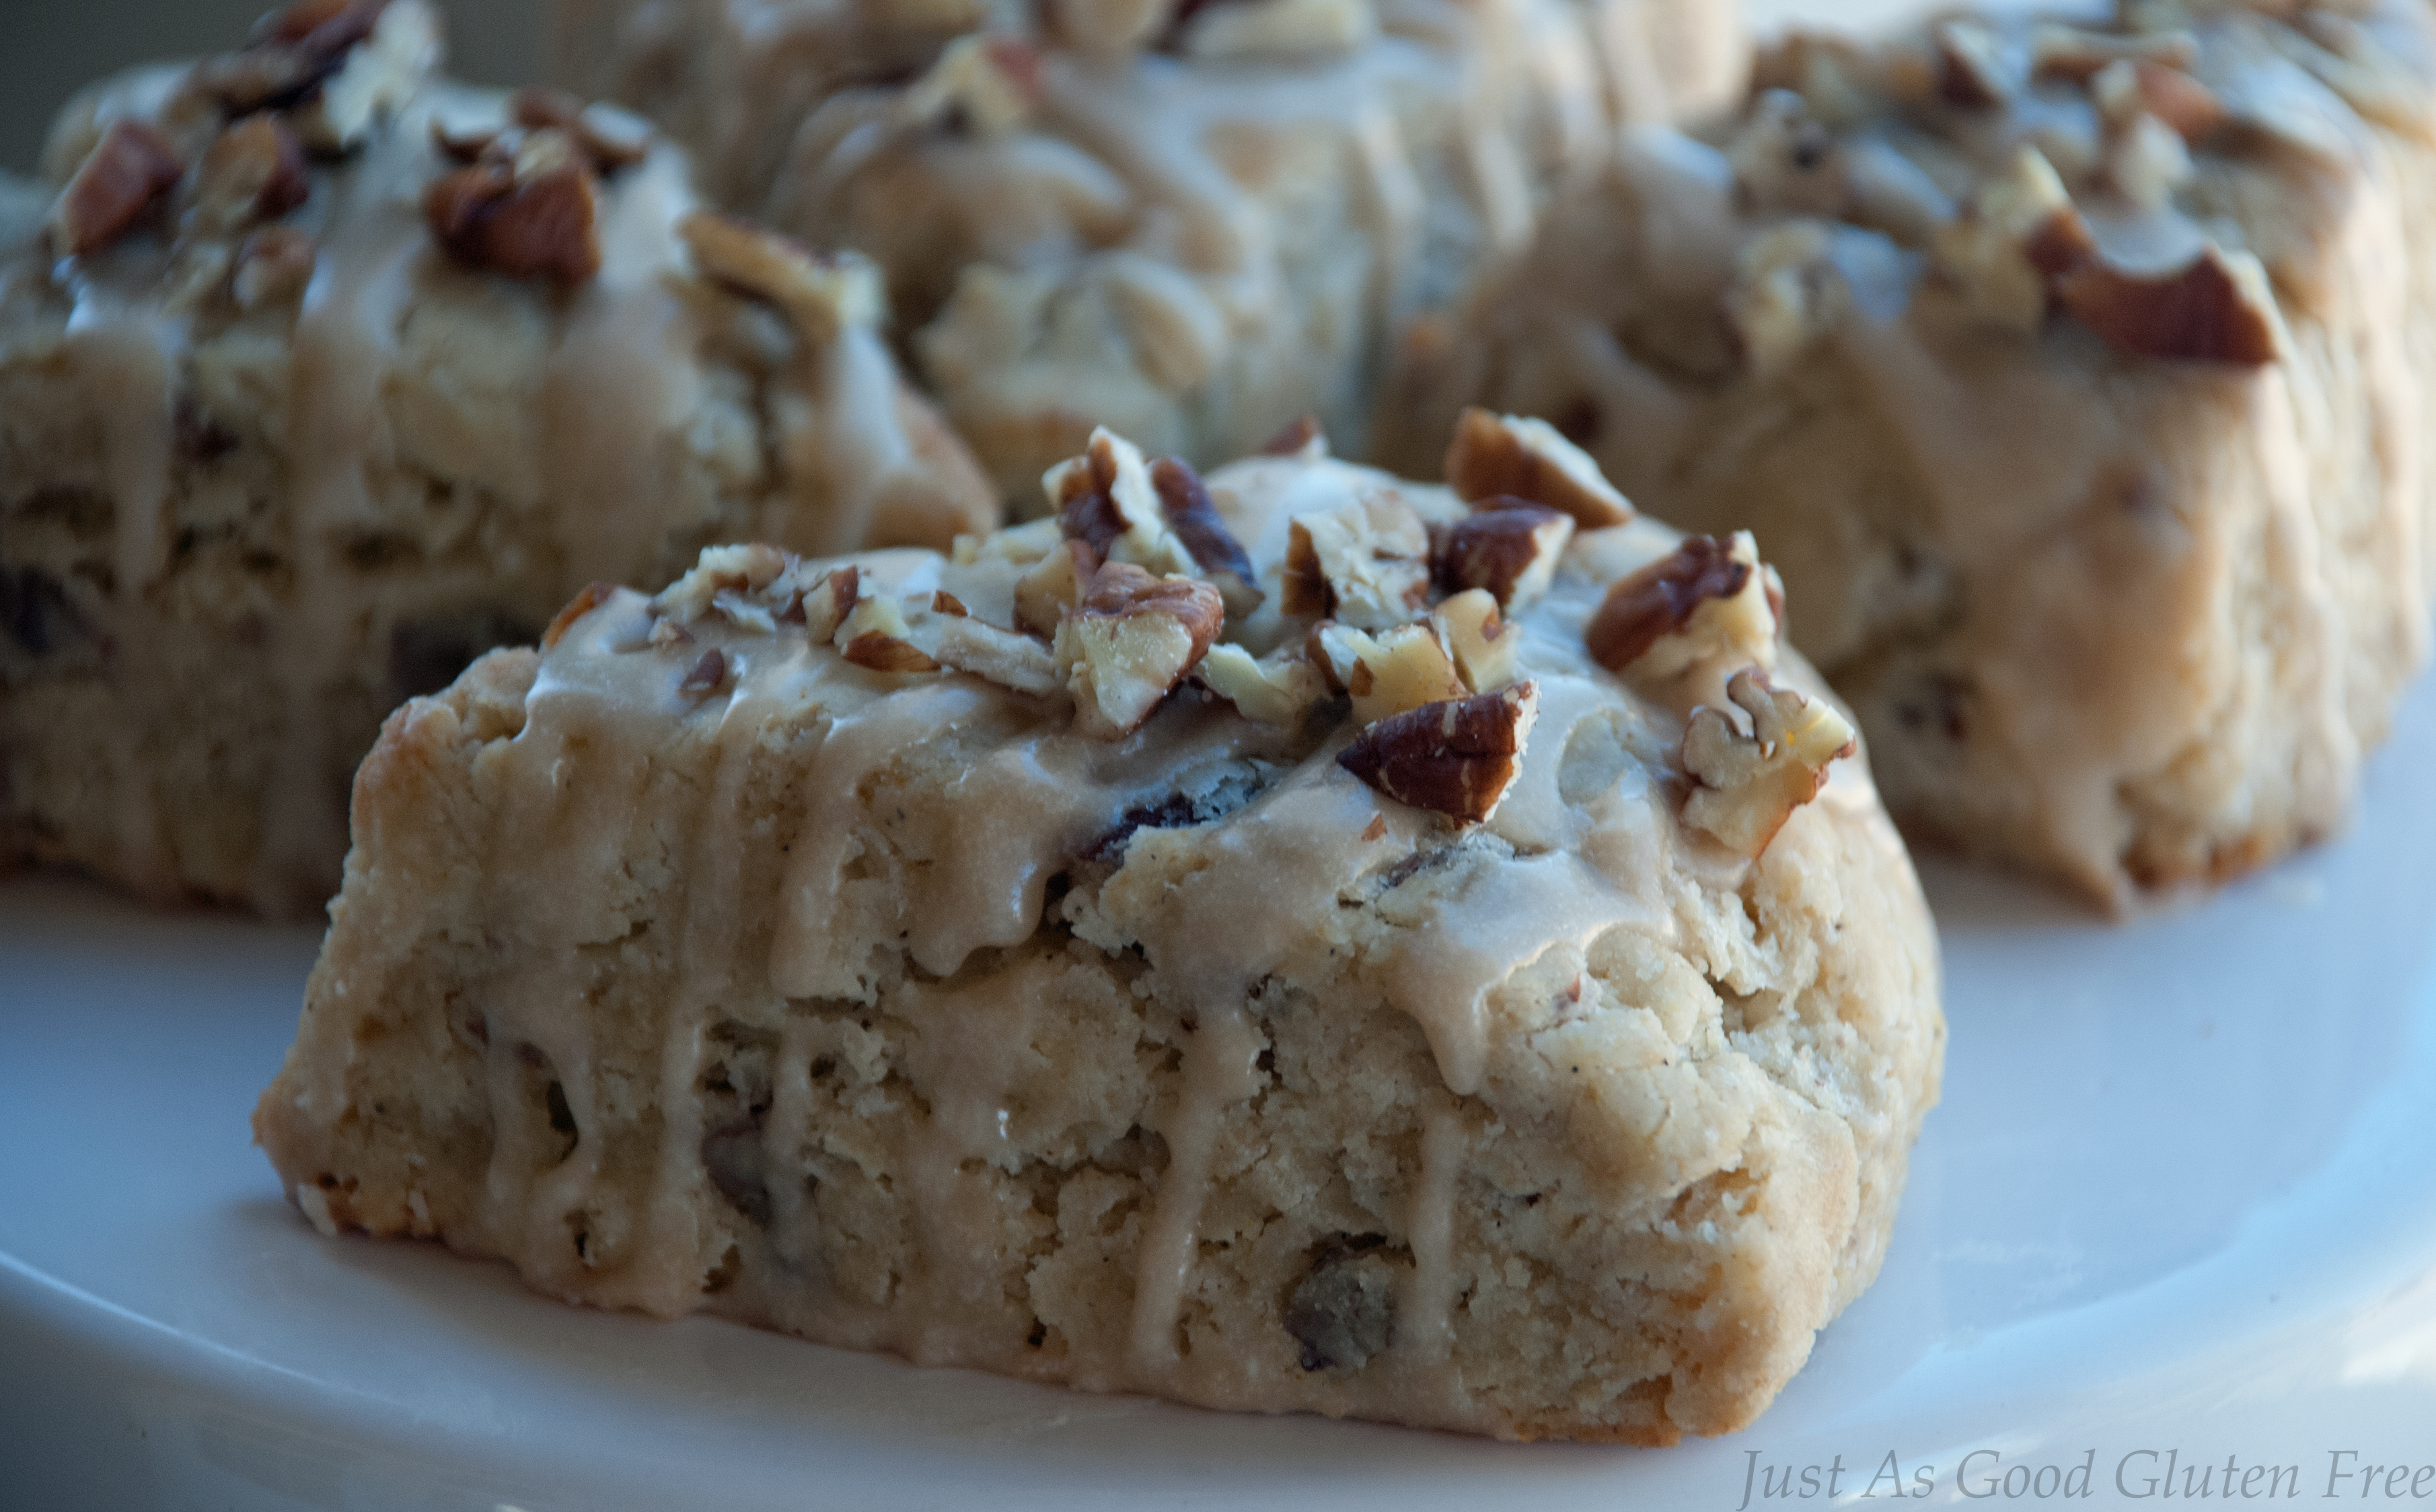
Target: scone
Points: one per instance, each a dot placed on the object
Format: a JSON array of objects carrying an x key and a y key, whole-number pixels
[
  {"x": 1192, "y": 222},
  {"x": 2078, "y": 378},
  {"x": 1437, "y": 965},
  {"x": 323, "y": 377}
]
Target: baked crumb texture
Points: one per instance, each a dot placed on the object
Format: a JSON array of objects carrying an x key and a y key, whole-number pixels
[
  {"x": 1192, "y": 222},
  {"x": 320, "y": 375},
  {"x": 1257, "y": 941},
  {"x": 2078, "y": 376}
]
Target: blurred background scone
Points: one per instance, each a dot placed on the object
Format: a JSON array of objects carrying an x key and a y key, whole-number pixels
[
  {"x": 319, "y": 376},
  {"x": 1192, "y": 223},
  {"x": 2079, "y": 375}
]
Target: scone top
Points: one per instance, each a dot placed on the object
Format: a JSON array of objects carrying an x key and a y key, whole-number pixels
[
  {"x": 2161, "y": 178},
  {"x": 1404, "y": 629},
  {"x": 215, "y": 188}
]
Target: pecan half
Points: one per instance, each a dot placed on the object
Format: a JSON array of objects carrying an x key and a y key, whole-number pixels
[
  {"x": 1529, "y": 459},
  {"x": 1505, "y": 546},
  {"x": 535, "y": 217},
  {"x": 2217, "y": 308},
  {"x": 132, "y": 166},
  {"x": 1130, "y": 641},
  {"x": 1746, "y": 786},
  {"x": 1456, "y": 757}
]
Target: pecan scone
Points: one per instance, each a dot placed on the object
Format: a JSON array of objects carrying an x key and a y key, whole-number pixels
[
  {"x": 1294, "y": 941},
  {"x": 322, "y": 376},
  {"x": 1192, "y": 222},
  {"x": 2079, "y": 377}
]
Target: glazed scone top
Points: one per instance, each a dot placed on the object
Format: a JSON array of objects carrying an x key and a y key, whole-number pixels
[
  {"x": 2170, "y": 178},
  {"x": 281, "y": 233},
  {"x": 1340, "y": 698}
]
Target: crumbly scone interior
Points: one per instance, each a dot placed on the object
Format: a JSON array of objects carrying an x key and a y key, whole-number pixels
[{"x": 722, "y": 955}]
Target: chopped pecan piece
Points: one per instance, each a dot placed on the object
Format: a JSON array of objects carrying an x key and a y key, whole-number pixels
[
  {"x": 1130, "y": 641},
  {"x": 719, "y": 569},
  {"x": 375, "y": 73},
  {"x": 1398, "y": 670},
  {"x": 2217, "y": 308},
  {"x": 876, "y": 635},
  {"x": 820, "y": 295},
  {"x": 1185, "y": 503},
  {"x": 708, "y": 675},
  {"x": 1746, "y": 786},
  {"x": 290, "y": 52},
  {"x": 1299, "y": 437},
  {"x": 823, "y": 604},
  {"x": 1107, "y": 498},
  {"x": 610, "y": 138},
  {"x": 2015, "y": 236},
  {"x": 1506, "y": 546},
  {"x": 275, "y": 264},
  {"x": 988, "y": 85},
  {"x": 1970, "y": 65},
  {"x": 1529, "y": 459},
  {"x": 1455, "y": 759},
  {"x": 535, "y": 217},
  {"x": 253, "y": 170},
  {"x": 2070, "y": 52},
  {"x": 132, "y": 166},
  {"x": 1005, "y": 657},
  {"x": 2128, "y": 88},
  {"x": 1275, "y": 689},
  {"x": 1708, "y": 598},
  {"x": 1786, "y": 295},
  {"x": 1484, "y": 644},
  {"x": 1364, "y": 561},
  {"x": 593, "y": 597},
  {"x": 1054, "y": 585}
]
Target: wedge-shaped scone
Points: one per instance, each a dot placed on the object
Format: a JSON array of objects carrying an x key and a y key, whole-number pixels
[
  {"x": 1023, "y": 960},
  {"x": 1194, "y": 222},
  {"x": 322, "y": 376},
  {"x": 2077, "y": 377}
]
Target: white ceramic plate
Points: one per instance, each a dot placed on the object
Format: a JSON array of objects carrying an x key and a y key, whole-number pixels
[
  {"x": 2182, "y": 1197},
  {"x": 2180, "y": 1201}
]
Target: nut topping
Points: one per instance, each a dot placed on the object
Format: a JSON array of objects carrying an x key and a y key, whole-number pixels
[
  {"x": 1105, "y": 499},
  {"x": 1970, "y": 64},
  {"x": 1746, "y": 786},
  {"x": 984, "y": 84},
  {"x": 1506, "y": 546},
  {"x": 1278, "y": 688},
  {"x": 1455, "y": 759},
  {"x": 127, "y": 169},
  {"x": 2069, "y": 52},
  {"x": 375, "y": 71},
  {"x": 1402, "y": 669},
  {"x": 1707, "y": 598},
  {"x": 720, "y": 569},
  {"x": 1529, "y": 459},
  {"x": 275, "y": 264},
  {"x": 1054, "y": 585},
  {"x": 876, "y": 635},
  {"x": 1364, "y": 561},
  {"x": 253, "y": 170},
  {"x": 708, "y": 675},
  {"x": 1215, "y": 552},
  {"x": 609, "y": 137},
  {"x": 2015, "y": 236},
  {"x": 593, "y": 597},
  {"x": 1130, "y": 641},
  {"x": 1005, "y": 657},
  {"x": 823, "y": 606},
  {"x": 536, "y": 216},
  {"x": 820, "y": 295},
  {"x": 2217, "y": 308},
  {"x": 290, "y": 52},
  {"x": 1484, "y": 644},
  {"x": 1299, "y": 437}
]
